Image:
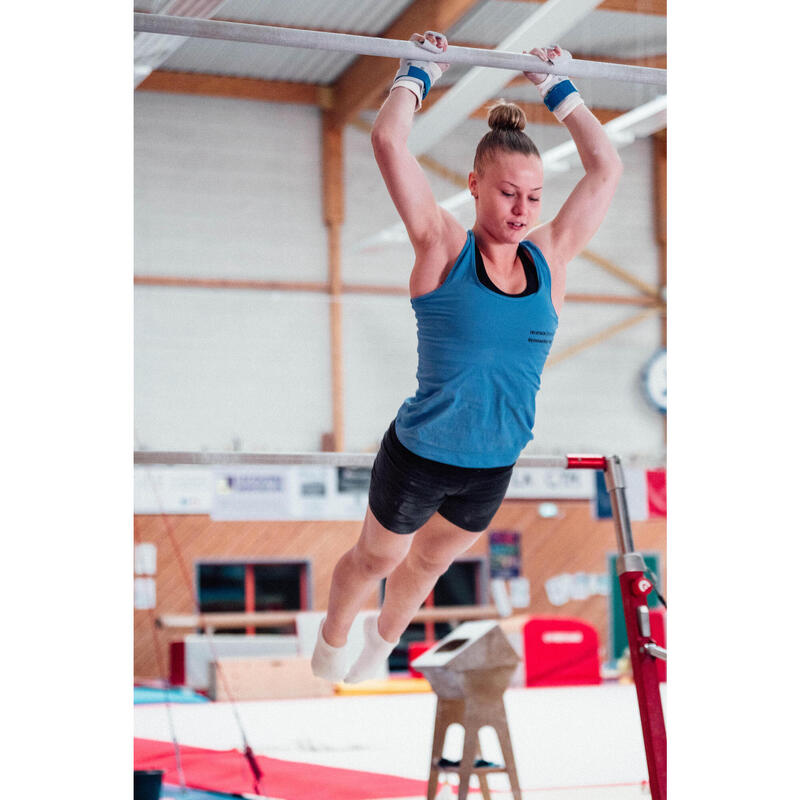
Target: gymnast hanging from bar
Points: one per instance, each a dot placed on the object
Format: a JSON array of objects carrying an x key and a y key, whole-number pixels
[{"x": 487, "y": 302}]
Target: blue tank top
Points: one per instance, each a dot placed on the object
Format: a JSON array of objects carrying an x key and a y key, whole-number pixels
[{"x": 481, "y": 356}]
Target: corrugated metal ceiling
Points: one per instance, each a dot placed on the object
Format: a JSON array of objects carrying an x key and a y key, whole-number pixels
[
  {"x": 285, "y": 63},
  {"x": 246, "y": 60},
  {"x": 346, "y": 16}
]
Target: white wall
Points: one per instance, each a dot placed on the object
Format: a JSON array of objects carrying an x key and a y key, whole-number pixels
[
  {"x": 231, "y": 188},
  {"x": 227, "y": 188}
]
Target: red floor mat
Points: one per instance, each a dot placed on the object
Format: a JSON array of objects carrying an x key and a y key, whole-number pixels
[{"x": 227, "y": 771}]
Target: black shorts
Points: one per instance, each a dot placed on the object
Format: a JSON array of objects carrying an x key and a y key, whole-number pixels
[{"x": 406, "y": 490}]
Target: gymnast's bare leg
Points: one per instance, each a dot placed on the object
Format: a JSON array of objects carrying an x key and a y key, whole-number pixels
[{"x": 412, "y": 563}]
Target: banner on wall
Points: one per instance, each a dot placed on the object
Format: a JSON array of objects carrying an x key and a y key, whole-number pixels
[
  {"x": 551, "y": 484},
  {"x": 645, "y": 493},
  {"x": 289, "y": 492}
]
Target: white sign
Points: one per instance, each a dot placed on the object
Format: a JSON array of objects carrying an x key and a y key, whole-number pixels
[
  {"x": 560, "y": 589},
  {"x": 551, "y": 484},
  {"x": 144, "y": 559},
  {"x": 144, "y": 593},
  {"x": 172, "y": 490},
  {"x": 289, "y": 492}
]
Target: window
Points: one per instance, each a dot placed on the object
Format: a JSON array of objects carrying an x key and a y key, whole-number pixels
[
  {"x": 254, "y": 586},
  {"x": 464, "y": 584}
]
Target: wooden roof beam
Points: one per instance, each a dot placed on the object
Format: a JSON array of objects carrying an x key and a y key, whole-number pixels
[
  {"x": 657, "y": 8},
  {"x": 536, "y": 112},
  {"x": 365, "y": 81},
  {"x": 228, "y": 86}
]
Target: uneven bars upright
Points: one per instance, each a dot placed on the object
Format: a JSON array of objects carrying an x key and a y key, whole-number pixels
[{"x": 388, "y": 48}]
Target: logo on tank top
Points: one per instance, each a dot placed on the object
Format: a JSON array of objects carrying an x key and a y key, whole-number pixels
[{"x": 541, "y": 337}]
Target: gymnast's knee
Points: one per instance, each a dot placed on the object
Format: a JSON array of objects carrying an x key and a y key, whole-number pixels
[{"x": 373, "y": 562}]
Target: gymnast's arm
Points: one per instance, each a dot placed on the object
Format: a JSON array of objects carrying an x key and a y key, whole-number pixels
[
  {"x": 435, "y": 234},
  {"x": 570, "y": 230}
]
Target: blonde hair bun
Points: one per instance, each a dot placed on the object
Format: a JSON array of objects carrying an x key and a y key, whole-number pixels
[{"x": 507, "y": 116}]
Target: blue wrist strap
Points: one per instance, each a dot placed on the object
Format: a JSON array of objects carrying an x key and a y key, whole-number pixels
[
  {"x": 420, "y": 74},
  {"x": 558, "y": 93}
]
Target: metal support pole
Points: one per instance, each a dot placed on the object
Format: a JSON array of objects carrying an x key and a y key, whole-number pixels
[
  {"x": 615, "y": 483},
  {"x": 388, "y": 48},
  {"x": 635, "y": 587}
]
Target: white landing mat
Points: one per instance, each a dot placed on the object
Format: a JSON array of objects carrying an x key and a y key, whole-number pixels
[{"x": 571, "y": 743}]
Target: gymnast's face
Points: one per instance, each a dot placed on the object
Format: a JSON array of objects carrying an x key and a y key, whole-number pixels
[{"x": 507, "y": 195}]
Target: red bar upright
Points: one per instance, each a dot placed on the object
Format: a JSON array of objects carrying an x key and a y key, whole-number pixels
[{"x": 634, "y": 588}]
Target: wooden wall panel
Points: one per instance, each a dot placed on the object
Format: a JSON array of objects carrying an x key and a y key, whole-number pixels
[{"x": 574, "y": 542}]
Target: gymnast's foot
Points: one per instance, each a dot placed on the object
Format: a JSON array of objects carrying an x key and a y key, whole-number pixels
[
  {"x": 328, "y": 662},
  {"x": 376, "y": 651}
]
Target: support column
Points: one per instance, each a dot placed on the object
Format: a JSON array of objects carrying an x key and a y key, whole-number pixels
[
  {"x": 660, "y": 191},
  {"x": 333, "y": 210}
]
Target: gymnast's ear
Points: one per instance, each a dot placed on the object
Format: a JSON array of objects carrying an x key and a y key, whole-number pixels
[{"x": 472, "y": 182}]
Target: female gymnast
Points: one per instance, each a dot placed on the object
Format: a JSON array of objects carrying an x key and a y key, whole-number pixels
[{"x": 487, "y": 302}]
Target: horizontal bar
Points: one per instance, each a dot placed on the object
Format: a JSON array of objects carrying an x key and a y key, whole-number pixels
[
  {"x": 254, "y": 459},
  {"x": 265, "y": 619},
  {"x": 173, "y": 458},
  {"x": 388, "y": 48}
]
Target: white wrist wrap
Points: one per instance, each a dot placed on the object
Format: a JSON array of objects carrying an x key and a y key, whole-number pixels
[
  {"x": 559, "y": 95},
  {"x": 567, "y": 106},
  {"x": 418, "y": 76},
  {"x": 412, "y": 85}
]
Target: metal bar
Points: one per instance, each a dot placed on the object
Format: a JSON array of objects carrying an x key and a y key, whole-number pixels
[
  {"x": 144, "y": 457},
  {"x": 615, "y": 483},
  {"x": 265, "y": 619},
  {"x": 388, "y": 48}
]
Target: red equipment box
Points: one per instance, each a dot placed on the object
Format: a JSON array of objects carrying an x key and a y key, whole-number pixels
[{"x": 560, "y": 651}]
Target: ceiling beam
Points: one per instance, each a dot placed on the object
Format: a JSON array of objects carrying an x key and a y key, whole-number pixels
[
  {"x": 602, "y": 336},
  {"x": 656, "y": 8},
  {"x": 228, "y": 86},
  {"x": 310, "y": 94},
  {"x": 365, "y": 81},
  {"x": 318, "y": 287},
  {"x": 536, "y": 113}
]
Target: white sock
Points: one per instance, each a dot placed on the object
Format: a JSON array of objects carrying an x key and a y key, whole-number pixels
[
  {"x": 376, "y": 651},
  {"x": 328, "y": 662}
]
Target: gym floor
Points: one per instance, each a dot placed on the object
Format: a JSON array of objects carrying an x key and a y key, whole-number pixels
[{"x": 570, "y": 743}]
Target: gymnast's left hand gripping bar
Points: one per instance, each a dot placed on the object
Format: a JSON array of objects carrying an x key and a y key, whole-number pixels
[{"x": 388, "y": 48}]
